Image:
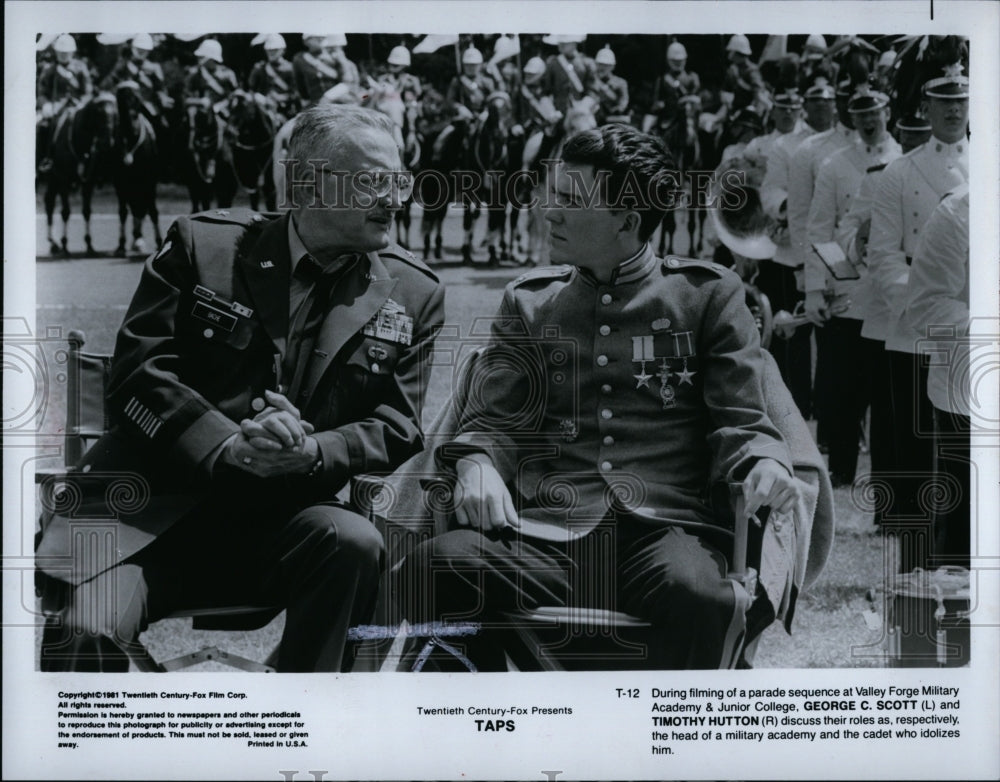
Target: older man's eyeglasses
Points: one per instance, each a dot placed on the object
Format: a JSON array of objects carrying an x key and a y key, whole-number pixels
[{"x": 380, "y": 184}]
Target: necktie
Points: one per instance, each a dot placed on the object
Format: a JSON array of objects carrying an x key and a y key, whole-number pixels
[{"x": 309, "y": 318}]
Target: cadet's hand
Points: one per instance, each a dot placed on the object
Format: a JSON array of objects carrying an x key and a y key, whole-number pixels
[
  {"x": 483, "y": 501},
  {"x": 240, "y": 453},
  {"x": 768, "y": 483},
  {"x": 816, "y": 308},
  {"x": 277, "y": 426}
]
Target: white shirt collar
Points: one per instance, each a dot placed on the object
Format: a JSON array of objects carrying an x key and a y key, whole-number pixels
[{"x": 959, "y": 148}]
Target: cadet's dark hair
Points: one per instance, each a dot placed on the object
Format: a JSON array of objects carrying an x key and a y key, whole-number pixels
[{"x": 640, "y": 168}]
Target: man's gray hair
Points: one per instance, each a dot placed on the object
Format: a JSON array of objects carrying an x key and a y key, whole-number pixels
[{"x": 321, "y": 131}]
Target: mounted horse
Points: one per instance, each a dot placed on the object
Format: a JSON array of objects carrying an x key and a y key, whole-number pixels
[
  {"x": 249, "y": 136},
  {"x": 82, "y": 142},
  {"x": 682, "y": 139},
  {"x": 207, "y": 161},
  {"x": 136, "y": 168},
  {"x": 490, "y": 159}
]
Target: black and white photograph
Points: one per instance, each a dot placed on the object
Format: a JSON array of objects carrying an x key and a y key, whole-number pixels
[{"x": 559, "y": 390}]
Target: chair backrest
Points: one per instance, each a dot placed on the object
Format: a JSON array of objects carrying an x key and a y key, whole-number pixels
[{"x": 86, "y": 385}]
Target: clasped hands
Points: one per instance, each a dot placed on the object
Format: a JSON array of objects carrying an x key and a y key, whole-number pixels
[
  {"x": 275, "y": 442},
  {"x": 482, "y": 500}
]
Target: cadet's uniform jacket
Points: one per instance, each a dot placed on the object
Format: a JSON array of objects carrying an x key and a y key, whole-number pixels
[
  {"x": 874, "y": 311},
  {"x": 908, "y": 191},
  {"x": 191, "y": 362},
  {"x": 58, "y": 82},
  {"x": 644, "y": 392},
  {"x": 802, "y": 172},
  {"x": 568, "y": 79},
  {"x": 837, "y": 184},
  {"x": 938, "y": 295},
  {"x": 774, "y": 188}
]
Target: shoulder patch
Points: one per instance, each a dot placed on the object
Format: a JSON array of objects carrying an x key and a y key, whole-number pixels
[
  {"x": 543, "y": 275},
  {"x": 673, "y": 263},
  {"x": 404, "y": 255}
]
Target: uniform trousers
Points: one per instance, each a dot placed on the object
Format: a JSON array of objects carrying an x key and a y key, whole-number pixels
[
  {"x": 953, "y": 467},
  {"x": 660, "y": 573},
  {"x": 909, "y": 506},
  {"x": 880, "y": 435},
  {"x": 846, "y": 381},
  {"x": 322, "y": 565},
  {"x": 793, "y": 355}
]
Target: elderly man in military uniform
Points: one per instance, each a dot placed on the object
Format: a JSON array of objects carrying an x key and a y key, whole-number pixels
[
  {"x": 570, "y": 74},
  {"x": 314, "y": 73},
  {"x": 611, "y": 90},
  {"x": 616, "y": 388},
  {"x": 135, "y": 66},
  {"x": 847, "y": 362},
  {"x": 61, "y": 85},
  {"x": 274, "y": 78},
  {"x": 210, "y": 80},
  {"x": 263, "y": 361},
  {"x": 907, "y": 192}
]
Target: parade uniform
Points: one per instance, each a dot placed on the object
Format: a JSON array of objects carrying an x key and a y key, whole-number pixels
[
  {"x": 470, "y": 91},
  {"x": 314, "y": 74},
  {"x": 276, "y": 80},
  {"x": 568, "y": 79},
  {"x": 622, "y": 404},
  {"x": 778, "y": 278},
  {"x": 849, "y": 362},
  {"x": 743, "y": 82},
  {"x": 149, "y": 76},
  {"x": 802, "y": 173},
  {"x": 207, "y": 332},
  {"x": 214, "y": 86},
  {"x": 612, "y": 95},
  {"x": 938, "y": 296},
  {"x": 907, "y": 192},
  {"x": 60, "y": 85},
  {"x": 668, "y": 91}
]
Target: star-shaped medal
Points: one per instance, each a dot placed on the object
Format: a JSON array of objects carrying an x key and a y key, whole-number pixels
[
  {"x": 643, "y": 377},
  {"x": 684, "y": 376}
]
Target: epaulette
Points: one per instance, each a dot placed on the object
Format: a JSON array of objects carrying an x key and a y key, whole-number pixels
[
  {"x": 402, "y": 254},
  {"x": 544, "y": 274},
  {"x": 674, "y": 263},
  {"x": 239, "y": 216},
  {"x": 875, "y": 169}
]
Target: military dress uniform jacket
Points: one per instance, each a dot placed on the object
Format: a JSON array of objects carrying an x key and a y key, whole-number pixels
[
  {"x": 58, "y": 82},
  {"x": 216, "y": 86},
  {"x": 276, "y": 81},
  {"x": 774, "y": 188},
  {"x": 148, "y": 75},
  {"x": 190, "y": 363},
  {"x": 667, "y": 93},
  {"x": 938, "y": 295},
  {"x": 837, "y": 185},
  {"x": 802, "y": 173},
  {"x": 470, "y": 92},
  {"x": 563, "y": 87},
  {"x": 644, "y": 393},
  {"x": 908, "y": 190},
  {"x": 612, "y": 95}
]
